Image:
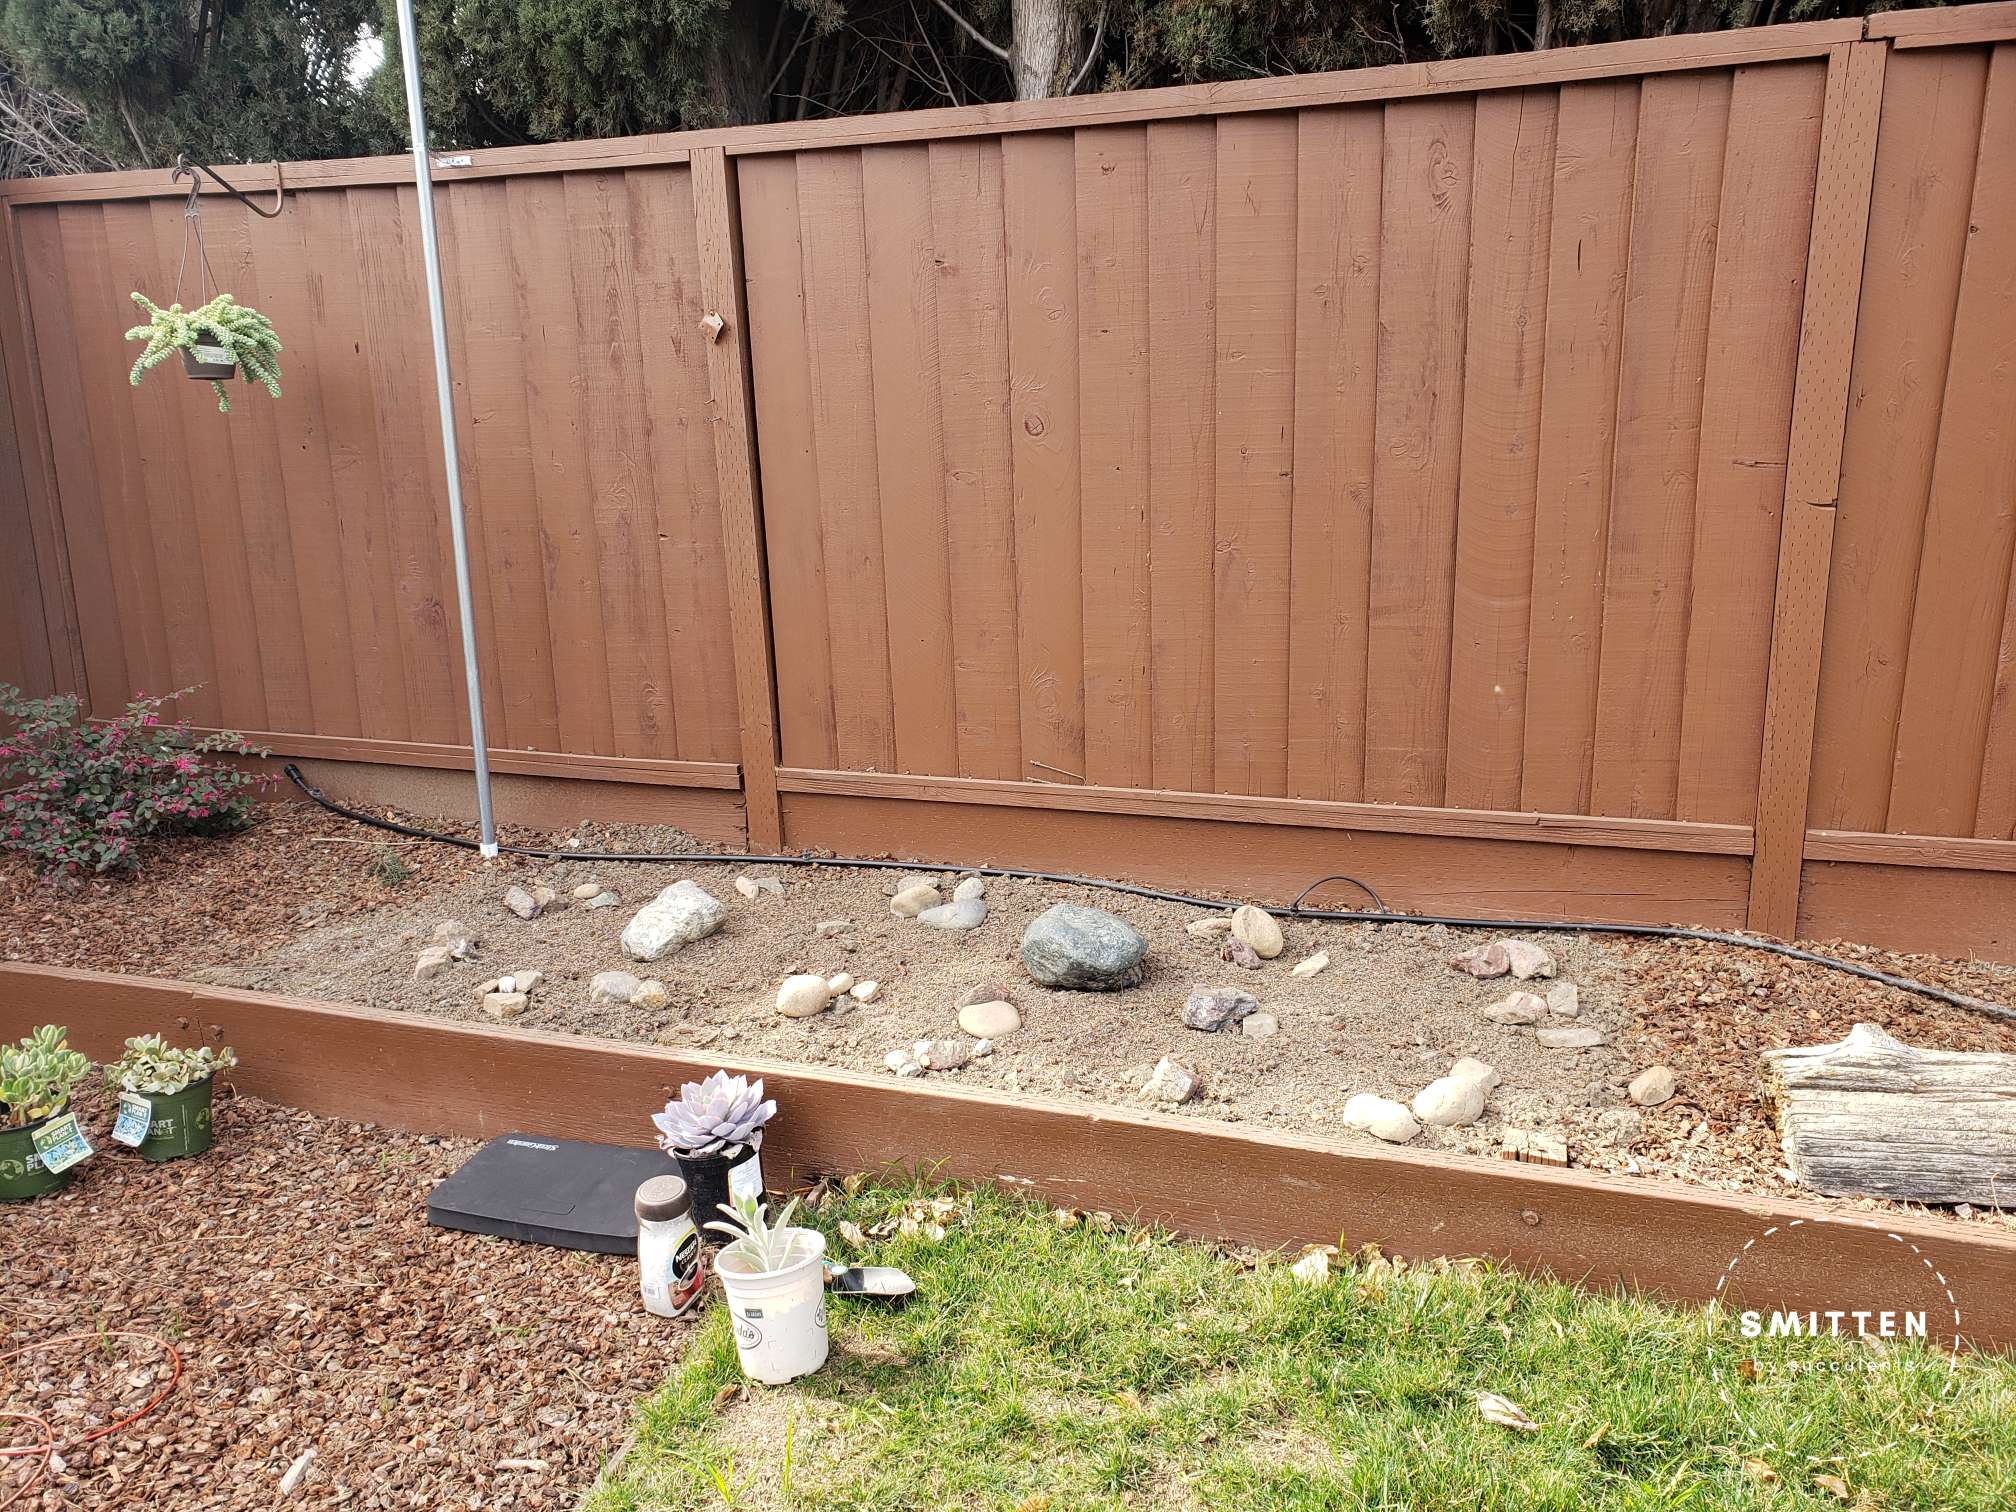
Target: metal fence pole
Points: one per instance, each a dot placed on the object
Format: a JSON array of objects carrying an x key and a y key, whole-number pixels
[{"x": 430, "y": 252}]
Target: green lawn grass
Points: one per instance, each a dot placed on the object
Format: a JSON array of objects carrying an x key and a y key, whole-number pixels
[{"x": 1052, "y": 1367}]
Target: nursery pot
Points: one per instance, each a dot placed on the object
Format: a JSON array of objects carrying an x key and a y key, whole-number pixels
[
  {"x": 780, "y": 1315},
  {"x": 181, "y": 1122},
  {"x": 22, "y": 1174},
  {"x": 717, "y": 1179},
  {"x": 209, "y": 362}
]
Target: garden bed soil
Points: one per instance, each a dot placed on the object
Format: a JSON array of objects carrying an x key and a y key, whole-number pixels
[
  {"x": 293, "y": 1267},
  {"x": 298, "y": 906}
]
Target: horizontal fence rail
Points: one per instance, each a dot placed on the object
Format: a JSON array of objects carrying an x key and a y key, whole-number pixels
[{"x": 1575, "y": 482}]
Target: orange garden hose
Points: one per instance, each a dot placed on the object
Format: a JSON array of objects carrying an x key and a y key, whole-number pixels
[{"x": 49, "y": 1447}]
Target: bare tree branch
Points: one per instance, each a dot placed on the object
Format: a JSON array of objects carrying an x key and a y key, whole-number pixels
[
  {"x": 1098, "y": 39},
  {"x": 973, "y": 31}
]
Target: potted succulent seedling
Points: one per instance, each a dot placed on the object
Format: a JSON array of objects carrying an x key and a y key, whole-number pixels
[
  {"x": 775, "y": 1278},
  {"x": 35, "y": 1081},
  {"x": 164, "y": 1096},
  {"x": 215, "y": 340},
  {"x": 714, "y": 1129}
]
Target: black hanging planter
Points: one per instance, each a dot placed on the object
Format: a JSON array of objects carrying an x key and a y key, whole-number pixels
[{"x": 209, "y": 364}]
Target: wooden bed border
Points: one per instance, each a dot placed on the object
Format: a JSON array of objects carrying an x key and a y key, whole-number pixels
[{"x": 1220, "y": 1181}]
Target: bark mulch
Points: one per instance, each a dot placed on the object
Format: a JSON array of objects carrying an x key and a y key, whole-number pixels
[{"x": 314, "y": 1308}]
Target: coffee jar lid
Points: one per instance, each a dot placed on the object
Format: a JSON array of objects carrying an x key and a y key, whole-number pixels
[{"x": 662, "y": 1199}]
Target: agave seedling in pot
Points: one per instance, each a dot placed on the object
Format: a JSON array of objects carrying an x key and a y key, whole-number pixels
[
  {"x": 775, "y": 1278},
  {"x": 165, "y": 1096},
  {"x": 714, "y": 1129},
  {"x": 35, "y": 1081}
]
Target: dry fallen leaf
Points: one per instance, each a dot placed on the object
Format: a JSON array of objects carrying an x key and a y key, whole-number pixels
[
  {"x": 1313, "y": 1269},
  {"x": 1760, "y": 1472},
  {"x": 1597, "y": 1437},
  {"x": 851, "y": 1232},
  {"x": 1035, "y": 1501},
  {"x": 1066, "y": 1217},
  {"x": 1505, "y": 1412},
  {"x": 1833, "y": 1485}
]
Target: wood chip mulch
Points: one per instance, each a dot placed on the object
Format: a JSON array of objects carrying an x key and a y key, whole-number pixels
[{"x": 293, "y": 1267}]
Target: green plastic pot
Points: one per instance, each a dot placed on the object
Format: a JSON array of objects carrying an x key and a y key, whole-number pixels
[
  {"x": 181, "y": 1122},
  {"x": 22, "y": 1174}
]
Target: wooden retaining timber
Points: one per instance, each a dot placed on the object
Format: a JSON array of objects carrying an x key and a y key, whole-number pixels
[{"x": 1226, "y": 1182}]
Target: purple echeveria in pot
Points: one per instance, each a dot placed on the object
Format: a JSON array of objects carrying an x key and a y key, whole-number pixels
[{"x": 722, "y": 1116}]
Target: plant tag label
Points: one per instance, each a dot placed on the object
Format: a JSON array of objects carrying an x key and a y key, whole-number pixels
[
  {"x": 61, "y": 1144},
  {"x": 213, "y": 354},
  {"x": 136, "y": 1117},
  {"x": 746, "y": 1179}
]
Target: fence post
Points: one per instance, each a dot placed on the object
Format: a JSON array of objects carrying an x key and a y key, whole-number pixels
[
  {"x": 1841, "y": 198},
  {"x": 44, "y": 565},
  {"x": 719, "y": 224}
]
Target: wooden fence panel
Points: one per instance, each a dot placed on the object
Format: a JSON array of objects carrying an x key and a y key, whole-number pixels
[
  {"x": 1917, "y": 708},
  {"x": 295, "y": 562},
  {"x": 1403, "y": 435}
]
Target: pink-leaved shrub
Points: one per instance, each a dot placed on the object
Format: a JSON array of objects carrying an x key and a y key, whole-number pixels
[{"x": 79, "y": 795}]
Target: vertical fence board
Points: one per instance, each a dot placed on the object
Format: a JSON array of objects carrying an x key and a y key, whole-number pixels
[
  {"x": 1970, "y": 526},
  {"x": 1255, "y": 302},
  {"x": 1503, "y": 373},
  {"x": 1039, "y": 182},
  {"x": 1925, "y": 153},
  {"x": 1181, "y": 187},
  {"x": 1336, "y": 361},
  {"x": 910, "y": 456},
  {"x": 1113, "y": 347},
  {"x": 1682, "y": 131},
  {"x": 1423, "y": 271},
  {"x": 1746, "y": 421},
  {"x": 966, "y": 221},
  {"x": 1589, "y": 239}
]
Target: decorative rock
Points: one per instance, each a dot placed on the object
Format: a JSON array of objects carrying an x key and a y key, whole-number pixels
[
  {"x": 1216, "y": 924},
  {"x": 528, "y": 981},
  {"x": 1450, "y": 1101},
  {"x": 1519, "y": 1008},
  {"x": 1214, "y": 1008},
  {"x": 755, "y": 887},
  {"x": 1256, "y": 927},
  {"x": 1652, "y": 1086},
  {"x": 1259, "y": 1025},
  {"x": 612, "y": 987},
  {"x": 588, "y": 890},
  {"x": 982, "y": 1047},
  {"x": 457, "y": 936},
  {"x": 1570, "y": 1037},
  {"x": 969, "y": 887},
  {"x": 1171, "y": 1082},
  {"x": 989, "y": 1020},
  {"x": 942, "y": 1055},
  {"x": 1483, "y": 961},
  {"x": 603, "y": 899},
  {"x": 529, "y": 905},
  {"x": 1620, "y": 1125},
  {"x": 1239, "y": 953},
  {"x": 651, "y": 995},
  {"x": 839, "y": 982},
  {"x": 1308, "y": 966},
  {"x": 1381, "y": 1117},
  {"x": 1475, "y": 1070},
  {"x": 432, "y": 961},
  {"x": 912, "y": 901},
  {"x": 903, "y": 1063},
  {"x": 862, "y": 992},
  {"x": 827, "y": 928},
  {"x": 1085, "y": 948},
  {"x": 965, "y": 913},
  {"x": 1313, "y": 1269},
  {"x": 802, "y": 996},
  {"x": 504, "y": 1005},
  {"x": 1527, "y": 960},
  {"x": 495, "y": 984},
  {"x": 1564, "y": 1000},
  {"x": 984, "y": 992},
  {"x": 681, "y": 914},
  {"x": 914, "y": 879}
]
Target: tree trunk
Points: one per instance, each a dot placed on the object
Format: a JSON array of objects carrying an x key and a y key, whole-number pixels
[
  {"x": 1873, "y": 1117},
  {"x": 1037, "y": 57},
  {"x": 738, "y": 93}
]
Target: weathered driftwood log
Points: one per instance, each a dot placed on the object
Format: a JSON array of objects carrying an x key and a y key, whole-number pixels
[{"x": 1873, "y": 1117}]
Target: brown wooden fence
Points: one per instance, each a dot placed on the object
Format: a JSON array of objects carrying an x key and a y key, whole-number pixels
[{"x": 1580, "y": 483}]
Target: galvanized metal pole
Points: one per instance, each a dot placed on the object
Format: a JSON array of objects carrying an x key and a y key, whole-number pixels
[{"x": 430, "y": 252}]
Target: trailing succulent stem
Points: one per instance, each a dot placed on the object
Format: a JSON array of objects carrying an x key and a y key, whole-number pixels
[
  {"x": 36, "y": 1076},
  {"x": 239, "y": 329}
]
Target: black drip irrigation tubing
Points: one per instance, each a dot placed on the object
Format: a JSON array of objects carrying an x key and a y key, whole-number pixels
[{"x": 1295, "y": 910}]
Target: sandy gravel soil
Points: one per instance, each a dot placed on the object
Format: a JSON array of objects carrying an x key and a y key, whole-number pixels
[
  {"x": 293, "y": 1267},
  {"x": 286, "y": 908}
]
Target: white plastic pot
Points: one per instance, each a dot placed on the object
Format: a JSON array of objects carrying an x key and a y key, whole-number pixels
[{"x": 780, "y": 1315}]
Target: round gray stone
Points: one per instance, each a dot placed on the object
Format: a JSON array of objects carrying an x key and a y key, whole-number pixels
[{"x": 1087, "y": 949}]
